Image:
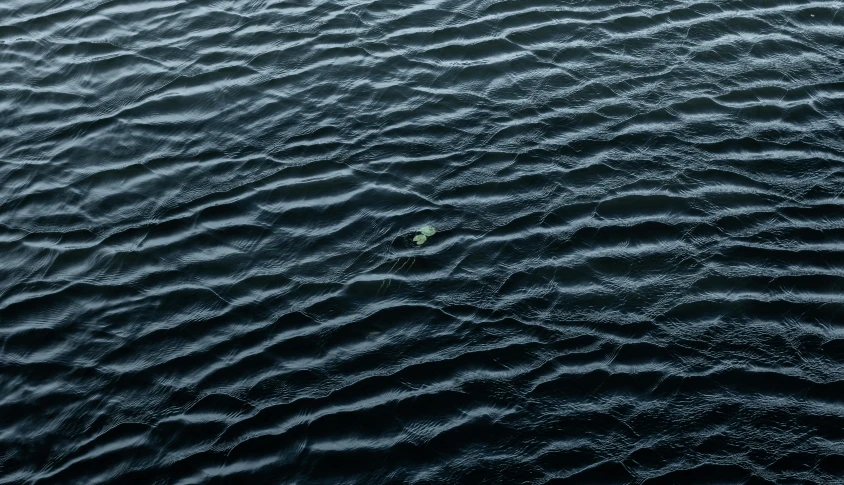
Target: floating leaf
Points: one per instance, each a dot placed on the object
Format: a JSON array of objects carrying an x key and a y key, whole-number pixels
[
  {"x": 428, "y": 231},
  {"x": 420, "y": 239}
]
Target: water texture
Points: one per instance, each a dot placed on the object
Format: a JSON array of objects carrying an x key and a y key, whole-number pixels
[{"x": 207, "y": 266}]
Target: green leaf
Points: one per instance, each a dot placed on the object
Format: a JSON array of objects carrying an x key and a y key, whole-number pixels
[
  {"x": 420, "y": 239},
  {"x": 428, "y": 231}
]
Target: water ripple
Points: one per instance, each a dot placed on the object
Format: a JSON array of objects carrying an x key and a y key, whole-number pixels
[{"x": 208, "y": 272}]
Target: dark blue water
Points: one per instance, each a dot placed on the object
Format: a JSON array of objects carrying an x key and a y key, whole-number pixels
[{"x": 207, "y": 266}]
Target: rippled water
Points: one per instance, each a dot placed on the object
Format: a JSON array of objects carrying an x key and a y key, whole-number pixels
[{"x": 206, "y": 265}]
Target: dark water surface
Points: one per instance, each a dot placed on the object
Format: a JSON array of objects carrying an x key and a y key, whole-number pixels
[{"x": 206, "y": 265}]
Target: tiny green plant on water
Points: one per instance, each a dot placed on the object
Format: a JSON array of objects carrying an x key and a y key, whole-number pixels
[{"x": 424, "y": 233}]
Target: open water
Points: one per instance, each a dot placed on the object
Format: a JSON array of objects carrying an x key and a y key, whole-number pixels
[{"x": 207, "y": 266}]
